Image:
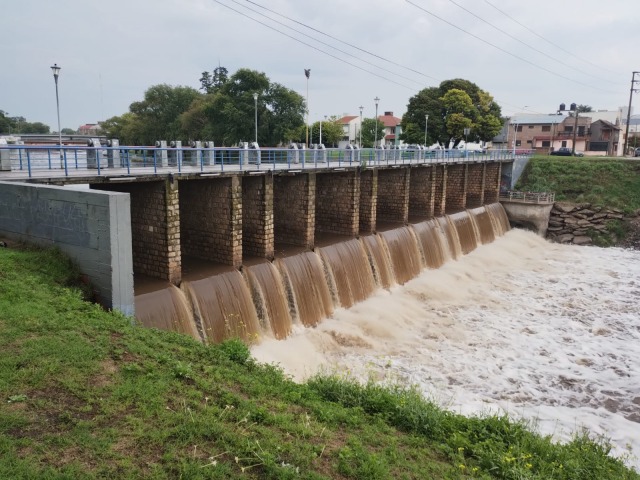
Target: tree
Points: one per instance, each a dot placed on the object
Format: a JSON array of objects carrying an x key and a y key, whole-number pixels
[
  {"x": 127, "y": 128},
  {"x": 369, "y": 132},
  {"x": 212, "y": 83},
  {"x": 331, "y": 132},
  {"x": 68, "y": 131},
  {"x": 227, "y": 114},
  {"x": 158, "y": 114},
  {"x": 467, "y": 106}
]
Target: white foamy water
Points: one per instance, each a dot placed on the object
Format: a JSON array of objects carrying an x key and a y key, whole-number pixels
[{"x": 547, "y": 332}]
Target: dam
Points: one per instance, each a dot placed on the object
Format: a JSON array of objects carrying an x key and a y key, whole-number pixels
[{"x": 256, "y": 245}]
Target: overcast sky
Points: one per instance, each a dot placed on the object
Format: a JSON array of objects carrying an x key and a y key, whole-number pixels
[{"x": 535, "y": 53}]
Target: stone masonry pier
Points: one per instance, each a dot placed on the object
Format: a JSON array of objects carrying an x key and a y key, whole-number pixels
[
  {"x": 157, "y": 222},
  {"x": 225, "y": 218}
]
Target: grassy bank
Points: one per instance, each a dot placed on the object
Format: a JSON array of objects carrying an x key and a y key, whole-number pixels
[
  {"x": 606, "y": 182},
  {"x": 84, "y": 394}
]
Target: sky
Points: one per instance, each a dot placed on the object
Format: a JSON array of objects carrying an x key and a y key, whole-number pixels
[{"x": 530, "y": 55}]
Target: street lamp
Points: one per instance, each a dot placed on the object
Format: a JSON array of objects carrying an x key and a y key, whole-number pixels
[
  {"x": 515, "y": 137},
  {"x": 426, "y": 125},
  {"x": 375, "y": 143},
  {"x": 360, "y": 142},
  {"x": 56, "y": 73},
  {"x": 255, "y": 101},
  {"x": 466, "y": 134}
]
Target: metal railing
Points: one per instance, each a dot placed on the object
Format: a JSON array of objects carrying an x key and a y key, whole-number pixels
[
  {"x": 21, "y": 161},
  {"x": 528, "y": 197}
]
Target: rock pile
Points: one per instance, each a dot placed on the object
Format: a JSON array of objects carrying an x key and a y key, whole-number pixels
[{"x": 569, "y": 223}]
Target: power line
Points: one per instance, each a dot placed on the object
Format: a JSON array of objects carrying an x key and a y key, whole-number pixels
[
  {"x": 314, "y": 47},
  {"x": 339, "y": 40},
  {"x": 525, "y": 43},
  {"x": 325, "y": 43},
  {"x": 506, "y": 51},
  {"x": 344, "y": 42},
  {"x": 541, "y": 37}
]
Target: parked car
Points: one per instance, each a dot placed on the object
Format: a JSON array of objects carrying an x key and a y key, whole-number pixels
[
  {"x": 636, "y": 152},
  {"x": 566, "y": 152}
]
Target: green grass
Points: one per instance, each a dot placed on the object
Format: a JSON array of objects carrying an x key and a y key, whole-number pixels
[
  {"x": 84, "y": 394},
  {"x": 607, "y": 182}
]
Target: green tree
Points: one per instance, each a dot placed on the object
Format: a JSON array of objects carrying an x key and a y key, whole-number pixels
[
  {"x": 68, "y": 131},
  {"x": 331, "y": 133},
  {"x": 211, "y": 83},
  {"x": 159, "y": 113},
  {"x": 369, "y": 126},
  {"x": 35, "y": 127},
  {"x": 126, "y": 128},
  {"x": 227, "y": 114},
  {"x": 473, "y": 108}
]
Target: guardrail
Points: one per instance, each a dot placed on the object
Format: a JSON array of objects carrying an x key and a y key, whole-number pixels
[
  {"x": 528, "y": 197},
  {"x": 37, "y": 160}
]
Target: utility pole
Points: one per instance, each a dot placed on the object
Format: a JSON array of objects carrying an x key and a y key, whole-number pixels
[
  {"x": 626, "y": 135},
  {"x": 575, "y": 131}
]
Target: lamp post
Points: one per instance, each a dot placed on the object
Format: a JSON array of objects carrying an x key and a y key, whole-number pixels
[
  {"x": 307, "y": 73},
  {"x": 255, "y": 101},
  {"x": 466, "y": 134},
  {"x": 426, "y": 126},
  {"x": 515, "y": 137},
  {"x": 375, "y": 143},
  {"x": 360, "y": 141},
  {"x": 56, "y": 73}
]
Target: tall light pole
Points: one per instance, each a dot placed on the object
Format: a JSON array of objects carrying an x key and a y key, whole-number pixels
[
  {"x": 426, "y": 126},
  {"x": 466, "y": 134},
  {"x": 56, "y": 73},
  {"x": 515, "y": 137},
  {"x": 255, "y": 101},
  {"x": 360, "y": 142},
  {"x": 307, "y": 73},
  {"x": 375, "y": 143}
]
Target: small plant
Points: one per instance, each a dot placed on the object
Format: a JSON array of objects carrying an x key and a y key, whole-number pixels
[
  {"x": 17, "y": 398},
  {"x": 235, "y": 350},
  {"x": 183, "y": 370}
]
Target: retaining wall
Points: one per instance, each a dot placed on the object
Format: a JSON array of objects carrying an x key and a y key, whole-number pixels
[{"x": 92, "y": 227}]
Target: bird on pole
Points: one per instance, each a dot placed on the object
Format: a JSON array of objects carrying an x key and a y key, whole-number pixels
[{"x": 307, "y": 73}]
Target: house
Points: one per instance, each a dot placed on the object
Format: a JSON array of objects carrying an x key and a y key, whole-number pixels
[
  {"x": 89, "y": 129},
  {"x": 604, "y": 138},
  {"x": 350, "y": 130},
  {"x": 392, "y": 129},
  {"x": 544, "y": 133}
]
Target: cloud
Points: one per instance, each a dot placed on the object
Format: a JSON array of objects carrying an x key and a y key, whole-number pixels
[{"x": 111, "y": 52}]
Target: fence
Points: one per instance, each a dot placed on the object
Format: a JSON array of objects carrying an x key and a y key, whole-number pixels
[{"x": 32, "y": 160}]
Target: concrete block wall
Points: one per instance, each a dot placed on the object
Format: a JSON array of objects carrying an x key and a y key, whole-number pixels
[
  {"x": 155, "y": 227},
  {"x": 440, "y": 187},
  {"x": 421, "y": 192},
  {"x": 475, "y": 185},
  {"x": 492, "y": 182},
  {"x": 338, "y": 202},
  {"x": 294, "y": 209},
  {"x": 93, "y": 228},
  {"x": 257, "y": 216},
  {"x": 211, "y": 219},
  {"x": 393, "y": 195},
  {"x": 456, "y": 192},
  {"x": 368, "y": 200}
]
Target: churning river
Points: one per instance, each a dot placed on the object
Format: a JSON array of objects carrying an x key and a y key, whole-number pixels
[{"x": 542, "y": 331}]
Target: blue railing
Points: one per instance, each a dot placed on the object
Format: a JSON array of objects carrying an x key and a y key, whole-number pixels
[{"x": 36, "y": 160}]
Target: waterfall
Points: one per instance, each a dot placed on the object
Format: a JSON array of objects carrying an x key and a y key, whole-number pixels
[{"x": 269, "y": 299}]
